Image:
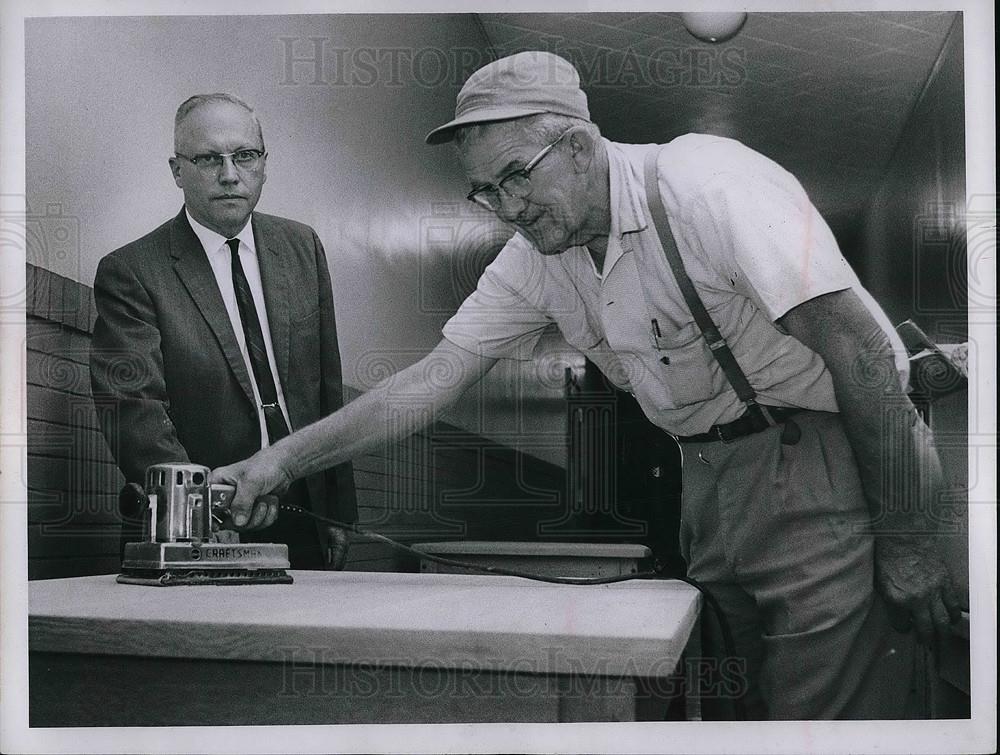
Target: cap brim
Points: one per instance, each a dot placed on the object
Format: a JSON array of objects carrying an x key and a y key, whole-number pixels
[{"x": 446, "y": 133}]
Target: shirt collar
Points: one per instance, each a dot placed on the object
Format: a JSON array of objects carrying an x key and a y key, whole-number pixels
[
  {"x": 626, "y": 215},
  {"x": 213, "y": 242},
  {"x": 625, "y": 198},
  {"x": 626, "y": 192}
]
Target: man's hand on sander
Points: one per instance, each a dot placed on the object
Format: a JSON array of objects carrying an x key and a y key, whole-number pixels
[{"x": 258, "y": 481}]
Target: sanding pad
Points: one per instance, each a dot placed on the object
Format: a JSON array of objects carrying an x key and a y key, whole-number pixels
[{"x": 201, "y": 563}]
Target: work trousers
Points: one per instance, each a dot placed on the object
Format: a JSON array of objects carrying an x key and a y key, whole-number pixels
[{"x": 777, "y": 531}]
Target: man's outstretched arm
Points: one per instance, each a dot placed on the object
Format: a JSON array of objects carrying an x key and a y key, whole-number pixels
[
  {"x": 433, "y": 383},
  {"x": 900, "y": 470}
]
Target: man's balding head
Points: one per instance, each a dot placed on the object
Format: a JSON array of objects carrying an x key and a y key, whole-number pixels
[{"x": 200, "y": 100}]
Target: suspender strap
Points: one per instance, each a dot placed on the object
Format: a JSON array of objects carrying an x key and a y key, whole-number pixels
[{"x": 716, "y": 343}]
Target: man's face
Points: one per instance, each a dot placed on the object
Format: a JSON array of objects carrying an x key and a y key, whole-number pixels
[
  {"x": 553, "y": 214},
  {"x": 220, "y": 198}
]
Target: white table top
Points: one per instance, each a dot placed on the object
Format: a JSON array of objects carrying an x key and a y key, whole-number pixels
[{"x": 636, "y": 628}]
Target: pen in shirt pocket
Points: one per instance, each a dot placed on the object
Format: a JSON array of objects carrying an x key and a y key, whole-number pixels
[{"x": 658, "y": 340}]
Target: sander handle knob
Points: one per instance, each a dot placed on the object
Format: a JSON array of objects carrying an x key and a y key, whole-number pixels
[
  {"x": 221, "y": 499},
  {"x": 132, "y": 501},
  {"x": 221, "y": 496}
]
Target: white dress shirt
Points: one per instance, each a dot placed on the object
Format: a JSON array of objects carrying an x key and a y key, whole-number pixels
[{"x": 219, "y": 257}]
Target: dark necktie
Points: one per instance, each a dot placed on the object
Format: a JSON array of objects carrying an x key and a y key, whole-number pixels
[{"x": 273, "y": 418}]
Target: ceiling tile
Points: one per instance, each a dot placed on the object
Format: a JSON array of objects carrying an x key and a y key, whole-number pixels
[
  {"x": 807, "y": 21},
  {"x": 655, "y": 24},
  {"x": 541, "y": 23},
  {"x": 838, "y": 47},
  {"x": 780, "y": 30},
  {"x": 926, "y": 46},
  {"x": 936, "y": 23},
  {"x": 825, "y": 94}
]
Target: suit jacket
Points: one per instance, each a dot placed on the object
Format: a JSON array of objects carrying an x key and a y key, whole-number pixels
[{"x": 168, "y": 378}]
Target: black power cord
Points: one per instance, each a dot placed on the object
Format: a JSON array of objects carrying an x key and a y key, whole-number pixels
[{"x": 729, "y": 644}]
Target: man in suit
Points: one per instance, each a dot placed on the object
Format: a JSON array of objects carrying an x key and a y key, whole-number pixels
[{"x": 216, "y": 335}]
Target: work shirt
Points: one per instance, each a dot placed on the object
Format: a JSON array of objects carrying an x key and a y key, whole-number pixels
[
  {"x": 752, "y": 243},
  {"x": 220, "y": 258}
]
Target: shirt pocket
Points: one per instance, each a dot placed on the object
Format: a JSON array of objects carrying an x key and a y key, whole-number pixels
[{"x": 690, "y": 372}]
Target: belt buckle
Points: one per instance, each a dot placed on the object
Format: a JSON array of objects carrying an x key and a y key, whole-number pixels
[{"x": 721, "y": 435}]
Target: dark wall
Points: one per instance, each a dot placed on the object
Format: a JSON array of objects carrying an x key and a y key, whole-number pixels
[
  {"x": 447, "y": 484},
  {"x": 911, "y": 254},
  {"x": 911, "y": 249},
  {"x": 623, "y": 473}
]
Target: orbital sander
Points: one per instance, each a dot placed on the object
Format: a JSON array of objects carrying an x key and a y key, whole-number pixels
[{"x": 181, "y": 543}]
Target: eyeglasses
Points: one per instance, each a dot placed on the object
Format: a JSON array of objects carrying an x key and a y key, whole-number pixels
[
  {"x": 243, "y": 159},
  {"x": 516, "y": 184}
]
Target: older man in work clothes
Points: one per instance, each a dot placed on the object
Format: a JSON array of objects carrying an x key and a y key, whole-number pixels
[
  {"x": 216, "y": 332},
  {"x": 776, "y": 513}
]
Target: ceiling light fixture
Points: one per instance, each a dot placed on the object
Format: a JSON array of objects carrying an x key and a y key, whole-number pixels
[{"x": 713, "y": 27}]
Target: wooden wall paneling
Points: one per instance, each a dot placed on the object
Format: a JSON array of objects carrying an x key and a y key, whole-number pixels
[
  {"x": 72, "y": 479},
  {"x": 57, "y": 407},
  {"x": 37, "y": 291},
  {"x": 57, "y": 371},
  {"x": 75, "y": 475},
  {"x": 56, "y": 508}
]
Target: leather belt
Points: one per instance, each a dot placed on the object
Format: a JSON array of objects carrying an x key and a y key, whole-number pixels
[{"x": 748, "y": 424}]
